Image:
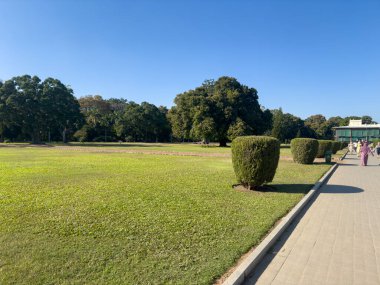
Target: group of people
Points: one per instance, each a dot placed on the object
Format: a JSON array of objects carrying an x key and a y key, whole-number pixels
[{"x": 363, "y": 149}]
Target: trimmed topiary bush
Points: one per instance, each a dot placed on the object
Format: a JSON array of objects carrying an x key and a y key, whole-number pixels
[
  {"x": 255, "y": 159},
  {"x": 323, "y": 146},
  {"x": 335, "y": 146},
  {"x": 304, "y": 150}
]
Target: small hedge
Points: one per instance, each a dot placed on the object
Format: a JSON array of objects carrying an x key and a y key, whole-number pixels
[
  {"x": 335, "y": 146},
  {"x": 255, "y": 159},
  {"x": 323, "y": 146},
  {"x": 304, "y": 150}
]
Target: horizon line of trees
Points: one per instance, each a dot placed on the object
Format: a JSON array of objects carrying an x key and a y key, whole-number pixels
[{"x": 218, "y": 110}]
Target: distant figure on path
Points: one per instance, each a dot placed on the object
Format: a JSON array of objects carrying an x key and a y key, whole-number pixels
[
  {"x": 350, "y": 147},
  {"x": 358, "y": 148},
  {"x": 364, "y": 151},
  {"x": 377, "y": 148}
]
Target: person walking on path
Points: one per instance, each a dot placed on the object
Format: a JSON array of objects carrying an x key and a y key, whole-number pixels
[
  {"x": 377, "y": 149},
  {"x": 364, "y": 151},
  {"x": 358, "y": 148},
  {"x": 350, "y": 147}
]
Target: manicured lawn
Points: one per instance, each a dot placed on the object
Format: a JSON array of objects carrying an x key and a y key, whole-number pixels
[
  {"x": 70, "y": 217},
  {"x": 164, "y": 147}
]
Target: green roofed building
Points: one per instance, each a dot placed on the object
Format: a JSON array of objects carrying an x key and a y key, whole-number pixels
[{"x": 356, "y": 130}]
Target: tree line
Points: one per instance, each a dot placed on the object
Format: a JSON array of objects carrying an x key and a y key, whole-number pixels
[{"x": 218, "y": 110}]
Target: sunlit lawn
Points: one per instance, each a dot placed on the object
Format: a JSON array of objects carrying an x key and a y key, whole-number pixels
[
  {"x": 70, "y": 217},
  {"x": 163, "y": 147}
]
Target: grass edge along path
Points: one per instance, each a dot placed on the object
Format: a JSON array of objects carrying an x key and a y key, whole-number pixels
[{"x": 74, "y": 218}]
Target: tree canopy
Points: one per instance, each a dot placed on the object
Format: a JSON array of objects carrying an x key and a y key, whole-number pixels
[
  {"x": 218, "y": 110},
  {"x": 221, "y": 110},
  {"x": 117, "y": 119},
  {"x": 38, "y": 108}
]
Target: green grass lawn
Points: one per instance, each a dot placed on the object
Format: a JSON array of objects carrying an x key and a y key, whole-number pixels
[
  {"x": 159, "y": 147},
  {"x": 69, "y": 217},
  {"x": 165, "y": 147}
]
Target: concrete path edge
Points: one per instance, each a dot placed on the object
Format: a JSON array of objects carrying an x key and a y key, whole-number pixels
[{"x": 246, "y": 267}]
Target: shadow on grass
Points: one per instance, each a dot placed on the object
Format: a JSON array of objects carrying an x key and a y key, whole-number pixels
[
  {"x": 24, "y": 145},
  {"x": 278, "y": 246},
  {"x": 277, "y": 188},
  {"x": 289, "y": 188}
]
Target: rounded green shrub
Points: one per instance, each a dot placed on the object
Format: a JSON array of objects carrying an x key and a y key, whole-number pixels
[
  {"x": 335, "y": 146},
  {"x": 255, "y": 159},
  {"x": 323, "y": 146},
  {"x": 304, "y": 150}
]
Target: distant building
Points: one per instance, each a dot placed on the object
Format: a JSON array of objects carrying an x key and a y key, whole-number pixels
[{"x": 356, "y": 130}]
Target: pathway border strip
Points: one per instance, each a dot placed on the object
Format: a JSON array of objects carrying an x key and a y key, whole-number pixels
[{"x": 246, "y": 267}]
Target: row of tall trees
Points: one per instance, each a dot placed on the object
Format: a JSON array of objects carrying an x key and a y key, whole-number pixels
[
  {"x": 35, "y": 110},
  {"x": 287, "y": 126},
  {"x": 117, "y": 119},
  {"x": 216, "y": 111}
]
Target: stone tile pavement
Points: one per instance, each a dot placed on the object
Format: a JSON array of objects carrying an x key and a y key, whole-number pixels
[{"x": 336, "y": 238}]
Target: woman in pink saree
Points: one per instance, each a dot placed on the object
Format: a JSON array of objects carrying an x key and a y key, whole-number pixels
[{"x": 364, "y": 151}]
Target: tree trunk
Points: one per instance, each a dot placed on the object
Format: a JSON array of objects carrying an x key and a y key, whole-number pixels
[
  {"x": 36, "y": 137},
  {"x": 223, "y": 143},
  {"x": 64, "y": 137}
]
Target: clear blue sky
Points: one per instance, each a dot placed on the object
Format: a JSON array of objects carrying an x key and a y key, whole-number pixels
[{"x": 307, "y": 57}]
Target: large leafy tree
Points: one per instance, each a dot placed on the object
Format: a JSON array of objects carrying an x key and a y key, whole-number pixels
[
  {"x": 218, "y": 110},
  {"x": 23, "y": 96},
  {"x": 287, "y": 126},
  {"x": 3, "y": 113},
  {"x": 36, "y": 107},
  {"x": 278, "y": 129},
  {"x": 318, "y": 124},
  {"x": 61, "y": 108},
  {"x": 143, "y": 122},
  {"x": 368, "y": 120},
  {"x": 98, "y": 115}
]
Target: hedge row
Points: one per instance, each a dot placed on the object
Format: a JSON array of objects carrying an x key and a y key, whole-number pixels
[
  {"x": 255, "y": 158},
  {"x": 304, "y": 149}
]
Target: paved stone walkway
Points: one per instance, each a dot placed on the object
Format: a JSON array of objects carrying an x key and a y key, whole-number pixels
[{"x": 336, "y": 238}]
